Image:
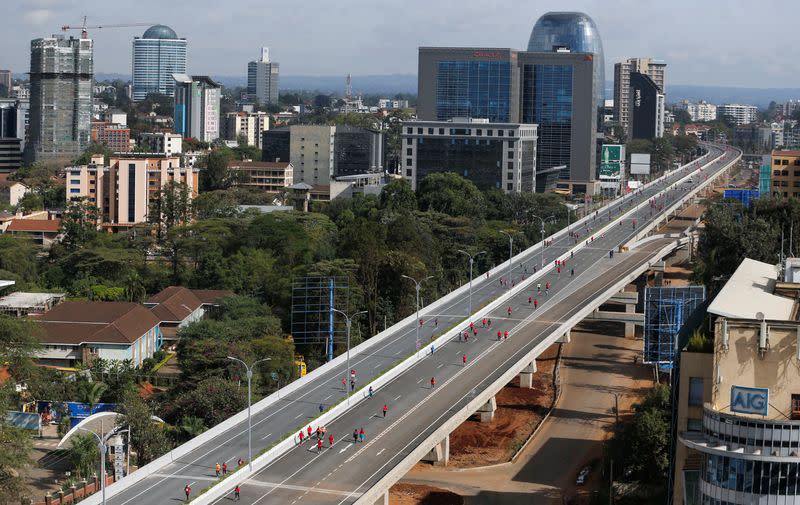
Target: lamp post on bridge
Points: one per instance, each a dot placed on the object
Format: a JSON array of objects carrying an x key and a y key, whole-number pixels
[
  {"x": 249, "y": 401},
  {"x": 418, "y": 285},
  {"x": 471, "y": 261},
  {"x": 348, "y": 321},
  {"x": 542, "y": 221}
]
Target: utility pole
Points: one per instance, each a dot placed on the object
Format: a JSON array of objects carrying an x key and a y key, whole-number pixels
[{"x": 249, "y": 402}]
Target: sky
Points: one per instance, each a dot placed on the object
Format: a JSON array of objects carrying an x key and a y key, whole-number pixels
[{"x": 704, "y": 42}]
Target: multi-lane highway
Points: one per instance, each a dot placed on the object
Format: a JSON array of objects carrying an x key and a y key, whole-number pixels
[{"x": 341, "y": 473}]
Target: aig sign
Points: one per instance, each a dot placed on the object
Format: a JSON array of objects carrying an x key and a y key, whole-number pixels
[{"x": 749, "y": 400}]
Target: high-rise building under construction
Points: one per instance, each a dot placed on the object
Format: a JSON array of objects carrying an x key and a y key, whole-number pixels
[{"x": 62, "y": 75}]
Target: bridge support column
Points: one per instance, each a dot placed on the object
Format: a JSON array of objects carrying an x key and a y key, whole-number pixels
[
  {"x": 440, "y": 454},
  {"x": 383, "y": 500},
  {"x": 630, "y": 328},
  {"x": 565, "y": 338},
  {"x": 526, "y": 375},
  {"x": 488, "y": 410}
]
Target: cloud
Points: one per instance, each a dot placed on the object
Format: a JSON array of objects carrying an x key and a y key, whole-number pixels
[{"x": 38, "y": 16}]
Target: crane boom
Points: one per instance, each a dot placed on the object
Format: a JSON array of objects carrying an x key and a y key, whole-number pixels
[{"x": 83, "y": 28}]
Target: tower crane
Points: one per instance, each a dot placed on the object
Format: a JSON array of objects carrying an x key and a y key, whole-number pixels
[{"x": 85, "y": 34}]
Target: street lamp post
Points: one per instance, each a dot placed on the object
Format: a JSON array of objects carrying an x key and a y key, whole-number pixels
[
  {"x": 418, "y": 285},
  {"x": 348, "y": 323},
  {"x": 542, "y": 221},
  {"x": 510, "y": 254},
  {"x": 249, "y": 401},
  {"x": 471, "y": 261},
  {"x": 101, "y": 444}
]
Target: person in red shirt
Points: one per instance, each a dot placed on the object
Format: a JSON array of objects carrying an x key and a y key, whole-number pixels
[
  {"x": 236, "y": 492},
  {"x": 505, "y": 335},
  {"x": 319, "y": 445},
  {"x": 536, "y": 304},
  {"x": 464, "y": 359},
  {"x": 499, "y": 334},
  {"x": 301, "y": 435},
  {"x": 187, "y": 490},
  {"x": 224, "y": 468},
  {"x": 330, "y": 439},
  {"x": 385, "y": 410}
]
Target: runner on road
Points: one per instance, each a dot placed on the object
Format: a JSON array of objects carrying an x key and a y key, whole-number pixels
[
  {"x": 301, "y": 435},
  {"x": 433, "y": 382},
  {"x": 217, "y": 469},
  {"x": 319, "y": 446},
  {"x": 188, "y": 490},
  {"x": 330, "y": 440},
  {"x": 355, "y": 436},
  {"x": 505, "y": 335},
  {"x": 361, "y": 434},
  {"x": 464, "y": 359},
  {"x": 236, "y": 492},
  {"x": 535, "y": 304},
  {"x": 385, "y": 410}
]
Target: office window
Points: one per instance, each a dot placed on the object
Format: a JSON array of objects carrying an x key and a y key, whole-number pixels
[
  {"x": 408, "y": 172},
  {"x": 74, "y": 190},
  {"x": 500, "y": 133},
  {"x": 511, "y": 165},
  {"x": 777, "y": 162},
  {"x": 419, "y": 131},
  {"x": 796, "y": 406},
  {"x": 409, "y": 142},
  {"x": 479, "y": 132},
  {"x": 784, "y": 173},
  {"x": 797, "y": 173},
  {"x": 784, "y": 162},
  {"x": 409, "y": 151},
  {"x": 441, "y": 131},
  {"x": 410, "y": 130},
  {"x": 408, "y": 162},
  {"x": 696, "y": 391},
  {"x": 430, "y": 131},
  {"x": 510, "y": 186},
  {"x": 776, "y": 172},
  {"x": 474, "y": 89},
  {"x": 509, "y": 175}
]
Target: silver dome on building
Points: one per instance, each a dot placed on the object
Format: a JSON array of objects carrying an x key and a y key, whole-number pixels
[
  {"x": 160, "y": 32},
  {"x": 575, "y": 31}
]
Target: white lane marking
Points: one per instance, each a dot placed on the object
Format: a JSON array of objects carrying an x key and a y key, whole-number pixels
[
  {"x": 344, "y": 449},
  {"x": 377, "y": 366},
  {"x": 398, "y": 397},
  {"x": 299, "y": 415},
  {"x": 381, "y": 451},
  {"x": 327, "y": 397},
  {"x": 420, "y": 381},
  {"x": 265, "y": 436},
  {"x": 440, "y": 365}
]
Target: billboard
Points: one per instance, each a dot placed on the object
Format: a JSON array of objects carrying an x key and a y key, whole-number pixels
[
  {"x": 640, "y": 163},
  {"x": 610, "y": 170},
  {"x": 743, "y": 195},
  {"x": 613, "y": 153}
]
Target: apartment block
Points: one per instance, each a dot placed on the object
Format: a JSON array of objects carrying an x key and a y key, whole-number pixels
[
  {"x": 248, "y": 126},
  {"x": 123, "y": 191},
  {"x": 786, "y": 174},
  {"x": 739, "y": 114},
  {"x": 114, "y": 136},
  {"x": 269, "y": 176},
  {"x": 168, "y": 144},
  {"x": 653, "y": 69}
]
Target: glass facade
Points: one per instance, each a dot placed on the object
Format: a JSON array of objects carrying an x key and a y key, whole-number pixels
[
  {"x": 573, "y": 30},
  {"x": 155, "y": 60},
  {"x": 547, "y": 101},
  {"x": 753, "y": 477},
  {"x": 478, "y": 89},
  {"x": 478, "y": 160}
]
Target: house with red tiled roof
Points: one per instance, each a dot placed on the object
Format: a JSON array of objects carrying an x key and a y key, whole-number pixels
[
  {"x": 43, "y": 232},
  {"x": 79, "y": 331},
  {"x": 176, "y": 306}
]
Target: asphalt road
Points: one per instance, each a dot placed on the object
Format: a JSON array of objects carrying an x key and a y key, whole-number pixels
[{"x": 341, "y": 473}]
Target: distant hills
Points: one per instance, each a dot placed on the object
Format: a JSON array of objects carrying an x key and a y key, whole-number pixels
[{"x": 407, "y": 83}]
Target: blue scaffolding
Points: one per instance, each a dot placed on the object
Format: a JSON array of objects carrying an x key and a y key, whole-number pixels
[
  {"x": 313, "y": 301},
  {"x": 666, "y": 309}
]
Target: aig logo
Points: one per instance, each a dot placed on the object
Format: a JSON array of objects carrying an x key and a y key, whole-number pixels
[{"x": 749, "y": 400}]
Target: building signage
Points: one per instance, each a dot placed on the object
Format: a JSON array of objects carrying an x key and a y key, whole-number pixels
[
  {"x": 746, "y": 400},
  {"x": 486, "y": 54},
  {"x": 613, "y": 153},
  {"x": 610, "y": 170}
]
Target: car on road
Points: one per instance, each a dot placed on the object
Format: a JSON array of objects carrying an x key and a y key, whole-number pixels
[{"x": 582, "y": 475}]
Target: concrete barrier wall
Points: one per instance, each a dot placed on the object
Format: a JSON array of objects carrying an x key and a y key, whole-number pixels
[{"x": 340, "y": 360}]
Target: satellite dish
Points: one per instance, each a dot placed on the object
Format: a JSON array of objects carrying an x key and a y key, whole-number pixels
[{"x": 760, "y": 315}]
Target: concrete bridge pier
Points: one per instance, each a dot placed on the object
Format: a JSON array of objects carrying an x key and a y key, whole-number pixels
[
  {"x": 439, "y": 455},
  {"x": 526, "y": 375},
  {"x": 384, "y": 499},
  {"x": 565, "y": 338},
  {"x": 658, "y": 272},
  {"x": 488, "y": 410}
]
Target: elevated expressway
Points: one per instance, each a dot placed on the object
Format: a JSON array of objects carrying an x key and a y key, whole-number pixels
[{"x": 420, "y": 416}]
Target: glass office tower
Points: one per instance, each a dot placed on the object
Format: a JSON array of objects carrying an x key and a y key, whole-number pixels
[
  {"x": 157, "y": 55},
  {"x": 575, "y": 31}
]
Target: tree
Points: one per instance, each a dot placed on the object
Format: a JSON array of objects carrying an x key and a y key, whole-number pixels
[
  {"x": 191, "y": 427},
  {"x": 213, "y": 400},
  {"x": 84, "y": 454},
  {"x": 16, "y": 447},
  {"x": 170, "y": 206},
  {"x": 148, "y": 438},
  {"x": 91, "y": 393},
  {"x": 30, "y": 202},
  {"x": 662, "y": 154},
  {"x": 682, "y": 116},
  {"x": 134, "y": 287},
  {"x": 397, "y": 196},
  {"x": 322, "y": 102},
  {"x": 216, "y": 204},
  {"x": 19, "y": 341},
  {"x": 93, "y": 149},
  {"x": 215, "y": 173},
  {"x": 451, "y": 194},
  {"x": 18, "y": 260},
  {"x": 79, "y": 224}
]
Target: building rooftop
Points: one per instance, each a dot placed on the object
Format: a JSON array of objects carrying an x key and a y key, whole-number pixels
[
  {"x": 22, "y": 303},
  {"x": 750, "y": 290},
  {"x": 77, "y": 322},
  {"x": 176, "y": 303},
  {"x": 786, "y": 153},
  {"x": 35, "y": 225},
  {"x": 258, "y": 164}
]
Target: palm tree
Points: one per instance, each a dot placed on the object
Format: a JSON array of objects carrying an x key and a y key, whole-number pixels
[
  {"x": 192, "y": 426},
  {"x": 91, "y": 393},
  {"x": 83, "y": 454},
  {"x": 134, "y": 288}
]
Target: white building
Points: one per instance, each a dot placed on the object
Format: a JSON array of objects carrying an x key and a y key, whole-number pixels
[
  {"x": 740, "y": 114},
  {"x": 247, "y": 125},
  {"x": 700, "y": 111},
  {"x": 388, "y": 103},
  {"x": 169, "y": 144}
]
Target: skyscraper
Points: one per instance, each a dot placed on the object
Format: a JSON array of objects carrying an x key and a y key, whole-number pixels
[
  {"x": 574, "y": 31},
  {"x": 5, "y": 83},
  {"x": 622, "y": 74},
  {"x": 262, "y": 79},
  {"x": 61, "y": 98},
  {"x": 157, "y": 55},
  {"x": 197, "y": 100},
  {"x": 646, "y": 108}
]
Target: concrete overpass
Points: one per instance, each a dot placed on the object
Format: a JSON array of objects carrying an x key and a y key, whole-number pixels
[{"x": 421, "y": 416}]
